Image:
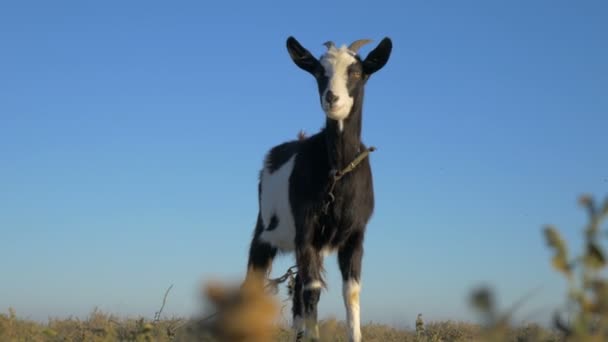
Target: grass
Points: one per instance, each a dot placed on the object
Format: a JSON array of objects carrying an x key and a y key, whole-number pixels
[
  {"x": 100, "y": 327},
  {"x": 250, "y": 312}
]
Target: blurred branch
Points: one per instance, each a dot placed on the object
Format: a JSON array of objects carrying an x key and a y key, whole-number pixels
[{"x": 159, "y": 312}]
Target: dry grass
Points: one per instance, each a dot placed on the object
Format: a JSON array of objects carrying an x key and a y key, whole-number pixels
[
  {"x": 97, "y": 327},
  {"x": 251, "y": 312},
  {"x": 102, "y": 327}
]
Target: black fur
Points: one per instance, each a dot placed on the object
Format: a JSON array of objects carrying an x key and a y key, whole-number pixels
[
  {"x": 260, "y": 252},
  {"x": 280, "y": 154},
  {"x": 343, "y": 227},
  {"x": 296, "y": 307},
  {"x": 274, "y": 223}
]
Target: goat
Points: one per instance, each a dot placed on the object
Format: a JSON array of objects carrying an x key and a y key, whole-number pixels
[{"x": 296, "y": 178}]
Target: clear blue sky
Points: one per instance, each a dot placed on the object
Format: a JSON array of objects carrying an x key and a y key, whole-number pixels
[{"x": 132, "y": 133}]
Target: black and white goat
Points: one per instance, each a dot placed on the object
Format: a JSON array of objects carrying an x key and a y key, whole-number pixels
[{"x": 295, "y": 181}]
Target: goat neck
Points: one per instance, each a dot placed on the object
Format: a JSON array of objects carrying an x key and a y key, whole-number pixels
[{"x": 344, "y": 139}]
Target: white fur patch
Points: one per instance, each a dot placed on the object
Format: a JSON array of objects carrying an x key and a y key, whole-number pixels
[
  {"x": 313, "y": 285},
  {"x": 350, "y": 291},
  {"x": 326, "y": 251},
  {"x": 275, "y": 201},
  {"x": 336, "y": 62}
]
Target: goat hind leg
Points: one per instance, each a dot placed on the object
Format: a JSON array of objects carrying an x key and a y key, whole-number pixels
[{"x": 261, "y": 255}]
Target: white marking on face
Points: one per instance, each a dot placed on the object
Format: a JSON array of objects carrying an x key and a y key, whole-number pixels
[
  {"x": 336, "y": 62},
  {"x": 275, "y": 201},
  {"x": 350, "y": 291}
]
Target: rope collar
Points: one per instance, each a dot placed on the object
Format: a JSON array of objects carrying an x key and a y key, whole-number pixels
[{"x": 335, "y": 176}]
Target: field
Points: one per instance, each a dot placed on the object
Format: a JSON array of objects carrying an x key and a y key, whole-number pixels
[
  {"x": 251, "y": 312},
  {"x": 101, "y": 327}
]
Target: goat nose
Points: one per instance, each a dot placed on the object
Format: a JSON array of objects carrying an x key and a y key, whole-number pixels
[{"x": 330, "y": 98}]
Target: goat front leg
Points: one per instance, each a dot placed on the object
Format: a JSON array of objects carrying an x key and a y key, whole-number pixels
[
  {"x": 309, "y": 273},
  {"x": 349, "y": 258},
  {"x": 297, "y": 309}
]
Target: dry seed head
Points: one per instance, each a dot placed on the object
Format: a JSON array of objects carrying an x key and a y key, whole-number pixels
[
  {"x": 552, "y": 236},
  {"x": 560, "y": 259},
  {"x": 555, "y": 240},
  {"x": 245, "y": 313},
  {"x": 585, "y": 200},
  {"x": 483, "y": 300},
  {"x": 561, "y": 264},
  {"x": 594, "y": 257},
  {"x": 419, "y": 324}
]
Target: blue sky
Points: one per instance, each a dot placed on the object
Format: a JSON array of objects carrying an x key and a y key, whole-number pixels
[{"x": 132, "y": 133}]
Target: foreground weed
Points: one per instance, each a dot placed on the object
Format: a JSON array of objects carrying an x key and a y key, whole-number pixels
[{"x": 587, "y": 302}]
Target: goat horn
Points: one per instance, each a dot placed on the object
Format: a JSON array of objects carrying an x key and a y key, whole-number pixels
[
  {"x": 329, "y": 44},
  {"x": 357, "y": 44}
]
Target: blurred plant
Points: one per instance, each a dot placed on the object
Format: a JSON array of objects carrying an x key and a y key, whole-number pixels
[
  {"x": 243, "y": 313},
  {"x": 587, "y": 301},
  {"x": 495, "y": 324},
  {"x": 419, "y": 326},
  {"x": 587, "y": 304}
]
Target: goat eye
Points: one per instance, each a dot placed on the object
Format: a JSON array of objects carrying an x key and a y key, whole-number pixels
[{"x": 356, "y": 74}]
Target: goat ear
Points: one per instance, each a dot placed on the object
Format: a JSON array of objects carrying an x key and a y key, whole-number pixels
[
  {"x": 302, "y": 57},
  {"x": 378, "y": 57}
]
